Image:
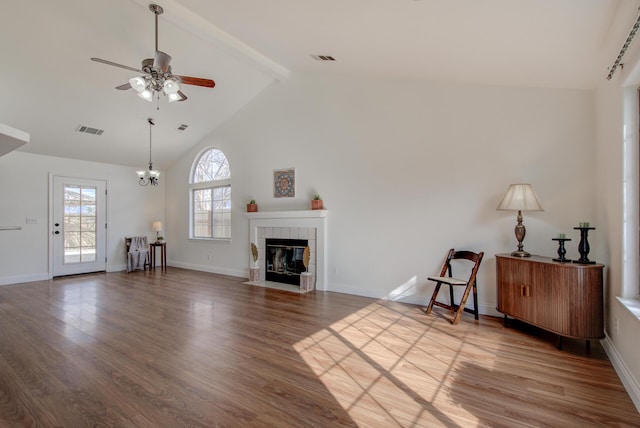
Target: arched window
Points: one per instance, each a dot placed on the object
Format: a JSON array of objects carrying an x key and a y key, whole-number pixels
[{"x": 210, "y": 187}]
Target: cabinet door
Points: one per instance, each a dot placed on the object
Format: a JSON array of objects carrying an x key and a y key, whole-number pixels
[
  {"x": 513, "y": 278},
  {"x": 586, "y": 305},
  {"x": 550, "y": 289}
]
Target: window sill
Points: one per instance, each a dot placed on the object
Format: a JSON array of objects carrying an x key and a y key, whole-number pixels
[
  {"x": 220, "y": 240},
  {"x": 632, "y": 305}
]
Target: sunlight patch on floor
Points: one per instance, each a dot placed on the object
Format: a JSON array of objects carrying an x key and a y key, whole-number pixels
[{"x": 384, "y": 367}]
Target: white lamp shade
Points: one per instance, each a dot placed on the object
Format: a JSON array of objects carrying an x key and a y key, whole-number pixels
[
  {"x": 146, "y": 95},
  {"x": 157, "y": 226},
  {"x": 520, "y": 197},
  {"x": 173, "y": 97},
  {"x": 154, "y": 174},
  {"x": 141, "y": 174},
  {"x": 171, "y": 87},
  {"x": 138, "y": 84}
]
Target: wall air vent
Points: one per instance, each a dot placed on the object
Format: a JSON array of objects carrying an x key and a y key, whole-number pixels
[
  {"x": 323, "y": 57},
  {"x": 89, "y": 130},
  {"x": 182, "y": 127}
]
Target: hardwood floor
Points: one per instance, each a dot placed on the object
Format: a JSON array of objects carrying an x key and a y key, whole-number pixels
[{"x": 186, "y": 348}]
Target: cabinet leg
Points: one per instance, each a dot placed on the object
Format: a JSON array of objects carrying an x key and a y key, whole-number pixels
[
  {"x": 588, "y": 345},
  {"x": 506, "y": 323},
  {"x": 560, "y": 343}
]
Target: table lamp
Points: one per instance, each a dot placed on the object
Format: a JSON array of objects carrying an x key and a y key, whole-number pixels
[
  {"x": 157, "y": 227},
  {"x": 520, "y": 197}
]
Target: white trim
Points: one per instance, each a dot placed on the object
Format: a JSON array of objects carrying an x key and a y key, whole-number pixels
[
  {"x": 626, "y": 377},
  {"x": 632, "y": 305},
  {"x": 18, "y": 279},
  {"x": 287, "y": 214},
  {"x": 240, "y": 273}
]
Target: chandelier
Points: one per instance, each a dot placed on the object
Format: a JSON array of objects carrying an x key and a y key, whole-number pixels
[{"x": 151, "y": 176}]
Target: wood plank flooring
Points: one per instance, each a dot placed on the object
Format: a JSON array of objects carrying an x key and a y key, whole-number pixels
[{"x": 185, "y": 348}]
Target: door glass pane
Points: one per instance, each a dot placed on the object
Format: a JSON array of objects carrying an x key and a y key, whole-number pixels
[{"x": 79, "y": 224}]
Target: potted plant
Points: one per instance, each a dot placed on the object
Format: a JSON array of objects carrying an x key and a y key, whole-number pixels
[
  {"x": 252, "y": 207},
  {"x": 160, "y": 239},
  {"x": 316, "y": 202}
]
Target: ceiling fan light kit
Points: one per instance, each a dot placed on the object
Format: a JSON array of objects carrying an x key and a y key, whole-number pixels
[{"x": 157, "y": 76}]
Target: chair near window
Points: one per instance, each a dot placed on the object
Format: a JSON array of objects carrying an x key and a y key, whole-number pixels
[
  {"x": 470, "y": 259},
  {"x": 137, "y": 253}
]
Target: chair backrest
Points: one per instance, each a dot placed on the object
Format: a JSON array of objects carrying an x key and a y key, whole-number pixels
[
  {"x": 474, "y": 258},
  {"x": 143, "y": 243}
]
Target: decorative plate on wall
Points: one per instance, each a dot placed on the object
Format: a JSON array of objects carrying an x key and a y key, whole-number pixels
[{"x": 284, "y": 183}]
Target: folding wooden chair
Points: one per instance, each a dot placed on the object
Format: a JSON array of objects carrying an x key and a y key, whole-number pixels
[{"x": 469, "y": 284}]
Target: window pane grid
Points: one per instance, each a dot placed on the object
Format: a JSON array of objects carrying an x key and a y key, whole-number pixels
[
  {"x": 212, "y": 212},
  {"x": 79, "y": 224},
  {"x": 211, "y": 205}
]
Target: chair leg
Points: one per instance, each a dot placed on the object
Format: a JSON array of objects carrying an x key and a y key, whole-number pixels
[
  {"x": 463, "y": 301},
  {"x": 433, "y": 298},
  {"x": 475, "y": 301}
]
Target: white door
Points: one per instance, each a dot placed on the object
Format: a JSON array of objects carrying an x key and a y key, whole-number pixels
[{"x": 78, "y": 226}]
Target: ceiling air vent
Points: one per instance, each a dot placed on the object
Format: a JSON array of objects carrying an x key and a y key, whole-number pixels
[
  {"x": 182, "y": 127},
  {"x": 323, "y": 57},
  {"x": 89, "y": 130}
]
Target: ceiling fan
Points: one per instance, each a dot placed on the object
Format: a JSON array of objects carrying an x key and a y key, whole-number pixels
[{"x": 156, "y": 74}]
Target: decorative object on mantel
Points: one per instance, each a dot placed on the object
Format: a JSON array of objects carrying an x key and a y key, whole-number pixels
[
  {"x": 306, "y": 278},
  {"x": 520, "y": 197},
  {"x": 284, "y": 183},
  {"x": 583, "y": 246},
  {"x": 316, "y": 202},
  {"x": 157, "y": 227},
  {"x": 252, "y": 207},
  {"x": 152, "y": 176},
  {"x": 561, "y": 250},
  {"x": 254, "y": 271}
]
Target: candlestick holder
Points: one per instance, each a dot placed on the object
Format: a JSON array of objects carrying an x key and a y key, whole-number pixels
[
  {"x": 583, "y": 246},
  {"x": 561, "y": 250}
]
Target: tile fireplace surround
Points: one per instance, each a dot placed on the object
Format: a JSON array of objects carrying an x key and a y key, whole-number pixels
[{"x": 308, "y": 224}]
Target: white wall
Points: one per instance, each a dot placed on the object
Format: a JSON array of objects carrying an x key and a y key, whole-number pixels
[
  {"x": 617, "y": 197},
  {"x": 407, "y": 170},
  {"x": 24, "y": 192}
]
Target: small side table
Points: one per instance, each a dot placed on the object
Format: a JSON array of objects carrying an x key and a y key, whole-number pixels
[{"x": 163, "y": 254}]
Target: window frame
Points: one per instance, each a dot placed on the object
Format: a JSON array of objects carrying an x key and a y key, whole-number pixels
[{"x": 204, "y": 185}]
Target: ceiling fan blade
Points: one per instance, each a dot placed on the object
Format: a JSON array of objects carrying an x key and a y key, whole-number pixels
[
  {"x": 183, "y": 97},
  {"x": 196, "y": 81},
  {"x": 161, "y": 61},
  {"x": 124, "y": 87},
  {"x": 115, "y": 64}
]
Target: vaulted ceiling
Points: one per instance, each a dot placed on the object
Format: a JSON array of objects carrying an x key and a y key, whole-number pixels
[{"x": 49, "y": 86}]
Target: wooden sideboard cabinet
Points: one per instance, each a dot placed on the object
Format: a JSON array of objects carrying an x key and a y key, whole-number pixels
[{"x": 564, "y": 298}]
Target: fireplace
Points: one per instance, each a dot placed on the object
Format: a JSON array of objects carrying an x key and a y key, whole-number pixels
[
  {"x": 283, "y": 260},
  {"x": 305, "y": 225}
]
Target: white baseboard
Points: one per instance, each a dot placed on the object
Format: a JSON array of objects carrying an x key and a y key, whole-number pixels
[
  {"x": 18, "y": 279},
  {"x": 628, "y": 380},
  {"x": 407, "y": 296},
  {"x": 240, "y": 273}
]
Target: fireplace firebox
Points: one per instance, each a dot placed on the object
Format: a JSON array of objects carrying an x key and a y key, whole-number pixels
[{"x": 283, "y": 260}]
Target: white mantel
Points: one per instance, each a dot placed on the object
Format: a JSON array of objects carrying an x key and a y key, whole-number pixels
[{"x": 311, "y": 219}]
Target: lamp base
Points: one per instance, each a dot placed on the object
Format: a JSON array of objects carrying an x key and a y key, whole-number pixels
[{"x": 520, "y": 253}]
